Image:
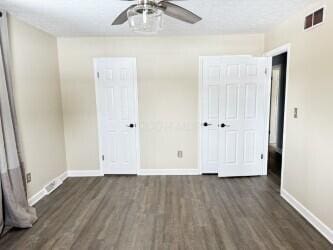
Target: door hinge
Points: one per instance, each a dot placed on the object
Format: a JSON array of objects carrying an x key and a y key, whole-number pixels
[
  {"x": 102, "y": 157},
  {"x": 262, "y": 156},
  {"x": 98, "y": 75},
  {"x": 266, "y": 71}
]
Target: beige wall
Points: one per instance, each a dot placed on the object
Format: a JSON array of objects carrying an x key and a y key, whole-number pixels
[
  {"x": 308, "y": 174},
  {"x": 168, "y": 93},
  {"x": 38, "y": 103}
]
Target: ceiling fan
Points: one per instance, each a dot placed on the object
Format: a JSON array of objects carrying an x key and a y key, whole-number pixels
[{"x": 146, "y": 15}]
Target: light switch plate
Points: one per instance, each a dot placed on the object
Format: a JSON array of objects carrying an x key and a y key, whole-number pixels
[
  {"x": 28, "y": 177},
  {"x": 295, "y": 113},
  {"x": 180, "y": 154}
]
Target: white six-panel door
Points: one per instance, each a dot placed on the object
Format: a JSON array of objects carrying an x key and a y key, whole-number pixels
[
  {"x": 241, "y": 90},
  {"x": 243, "y": 112},
  {"x": 117, "y": 114}
]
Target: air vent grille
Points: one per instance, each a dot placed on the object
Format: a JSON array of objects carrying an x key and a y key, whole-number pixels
[
  {"x": 318, "y": 16},
  {"x": 52, "y": 186},
  {"x": 314, "y": 19}
]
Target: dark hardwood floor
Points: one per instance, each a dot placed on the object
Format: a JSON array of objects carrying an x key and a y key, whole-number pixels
[{"x": 166, "y": 212}]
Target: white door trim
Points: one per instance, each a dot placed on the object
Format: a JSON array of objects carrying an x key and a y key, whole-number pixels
[
  {"x": 267, "y": 116},
  {"x": 136, "y": 103},
  {"x": 275, "y": 52},
  {"x": 200, "y": 114}
]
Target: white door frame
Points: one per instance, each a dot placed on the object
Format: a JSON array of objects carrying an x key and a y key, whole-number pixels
[
  {"x": 266, "y": 137},
  {"x": 136, "y": 108},
  {"x": 277, "y": 51},
  {"x": 199, "y": 121}
]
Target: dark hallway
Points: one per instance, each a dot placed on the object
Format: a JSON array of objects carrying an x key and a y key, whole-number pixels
[{"x": 278, "y": 90}]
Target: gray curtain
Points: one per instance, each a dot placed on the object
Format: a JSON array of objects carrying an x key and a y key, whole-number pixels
[{"x": 14, "y": 208}]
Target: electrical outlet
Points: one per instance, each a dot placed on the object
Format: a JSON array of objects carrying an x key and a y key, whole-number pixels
[
  {"x": 180, "y": 154},
  {"x": 28, "y": 177}
]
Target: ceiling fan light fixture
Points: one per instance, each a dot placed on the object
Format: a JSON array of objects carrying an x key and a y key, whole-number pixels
[{"x": 145, "y": 19}]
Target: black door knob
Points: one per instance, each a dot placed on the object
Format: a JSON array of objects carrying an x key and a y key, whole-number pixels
[
  {"x": 205, "y": 124},
  {"x": 224, "y": 125},
  {"x": 131, "y": 125}
]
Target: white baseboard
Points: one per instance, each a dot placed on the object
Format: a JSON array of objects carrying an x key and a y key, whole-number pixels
[
  {"x": 310, "y": 217},
  {"x": 43, "y": 192},
  {"x": 84, "y": 173},
  {"x": 63, "y": 176},
  {"x": 169, "y": 172},
  {"x": 92, "y": 173},
  {"x": 37, "y": 197}
]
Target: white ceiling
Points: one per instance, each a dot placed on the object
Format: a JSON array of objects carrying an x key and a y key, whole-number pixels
[{"x": 93, "y": 17}]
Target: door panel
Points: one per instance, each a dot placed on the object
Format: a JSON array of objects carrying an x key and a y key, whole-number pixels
[
  {"x": 249, "y": 146},
  {"x": 116, "y": 110},
  {"x": 213, "y": 102},
  {"x": 251, "y": 101},
  {"x": 232, "y": 101},
  {"x": 231, "y": 145},
  {"x": 213, "y": 153},
  {"x": 112, "y": 148}
]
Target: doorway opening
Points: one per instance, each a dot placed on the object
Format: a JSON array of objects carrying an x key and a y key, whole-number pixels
[{"x": 277, "y": 115}]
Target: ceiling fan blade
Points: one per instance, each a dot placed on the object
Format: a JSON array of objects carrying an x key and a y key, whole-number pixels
[
  {"x": 122, "y": 18},
  {"x": 178, "y": 12},
  {"x": 153, "y": 0}
]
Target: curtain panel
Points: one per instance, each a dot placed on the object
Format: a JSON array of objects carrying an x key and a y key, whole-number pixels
[{"x": 14, "y": 208}]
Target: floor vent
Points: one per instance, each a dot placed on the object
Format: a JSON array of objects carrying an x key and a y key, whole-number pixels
[{"x": 49, "y": 188}]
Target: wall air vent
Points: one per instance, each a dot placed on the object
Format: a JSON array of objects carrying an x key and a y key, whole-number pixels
[{"x": 314, "y": 19}]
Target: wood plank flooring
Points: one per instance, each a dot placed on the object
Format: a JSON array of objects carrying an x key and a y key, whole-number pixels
[{"x": 166, "y": 212}]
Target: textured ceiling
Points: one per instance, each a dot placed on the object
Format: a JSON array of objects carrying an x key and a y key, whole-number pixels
[{"x": 93, "y": 17}]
